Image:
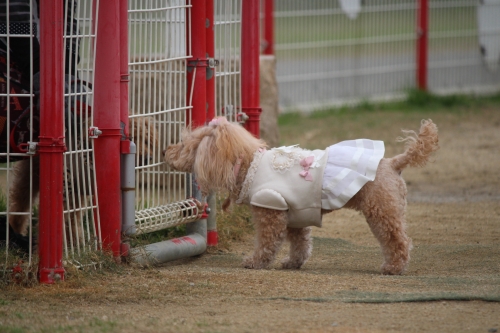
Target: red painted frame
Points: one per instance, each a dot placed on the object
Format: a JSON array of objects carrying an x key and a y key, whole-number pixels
[
  {"x": 107, "y": 106},
  {"x": 422, "y": 43},
  {"x": 197, "y": 64},
  {"x": 269, "y": 27},
  {"x": 250, "y": 77},
  {"x": 51, "y": 142}
]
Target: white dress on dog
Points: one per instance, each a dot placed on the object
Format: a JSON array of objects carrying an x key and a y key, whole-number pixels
[
  {"x": 350, "y": 165},
  {"x": 304, "y": 182}
]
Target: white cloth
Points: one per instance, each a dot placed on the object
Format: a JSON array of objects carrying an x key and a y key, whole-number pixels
[
  {"x": 303, "y": 182},
  {"x": 350, "y": 165},
  {"x": 274, "y": 181}
]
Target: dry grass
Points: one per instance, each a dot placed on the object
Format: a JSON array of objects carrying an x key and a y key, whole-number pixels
[{"x": 453, "y": 217}]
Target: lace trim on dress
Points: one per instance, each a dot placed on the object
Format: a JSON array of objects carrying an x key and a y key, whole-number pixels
[
  {"x": 257, "y": 156},
  {"x": 283, "y": 161},
  {"x": 284, "y": 158}
]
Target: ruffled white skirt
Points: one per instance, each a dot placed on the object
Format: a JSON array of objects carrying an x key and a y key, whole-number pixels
[{"x": 350, "y": 165}]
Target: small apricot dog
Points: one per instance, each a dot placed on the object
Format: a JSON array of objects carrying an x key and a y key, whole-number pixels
[{"x": 289, "y": 188}]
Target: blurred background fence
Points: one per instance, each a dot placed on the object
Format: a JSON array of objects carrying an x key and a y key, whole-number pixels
[{"x": 336, "y": 52}]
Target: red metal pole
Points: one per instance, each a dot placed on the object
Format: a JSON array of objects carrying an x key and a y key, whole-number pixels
[
  {"x": 269, "y": 26},
  {"x": 107, "y": 93},
  {"x": 250, "y": 98},
  {"x": 197, "y": 64},
  {"x": 51, "y": 142},
  {"x": 212, "y": 235},
  {"x": 124, "y": 75},
  {"x": 210, "y": 51},
  {"x": 124, "y": 121},
  {"x": 422, "y": 43}
]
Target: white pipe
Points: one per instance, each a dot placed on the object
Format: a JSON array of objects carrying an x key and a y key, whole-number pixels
[
  {"x": 195, "y": 243},
  {"x": 173, "y": 249},
  {"x": 128, "y": 191},
  {"x": 212, "y": 235}
]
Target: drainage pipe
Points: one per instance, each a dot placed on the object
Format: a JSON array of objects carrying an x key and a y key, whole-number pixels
[
  {"x": 194, "y": 243},
  {"x": 173, "y": 249},
  {"x": 128, "y": 191}
]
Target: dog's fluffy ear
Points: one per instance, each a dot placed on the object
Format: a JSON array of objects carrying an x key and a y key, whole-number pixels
[
  {"x": 214, "y": 161},
  {"x": 218, "y": 153}
]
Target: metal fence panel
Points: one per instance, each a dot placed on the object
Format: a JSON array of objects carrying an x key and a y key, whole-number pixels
[
  {"x": 456, "y": 62},
  {"x": 18, "y": 44},
  {"x": 227, "y": 52},
  {"x": 158, "y": 109},
  {"x": 333, "y": 52},
  {"x": 82, "y": 225}
]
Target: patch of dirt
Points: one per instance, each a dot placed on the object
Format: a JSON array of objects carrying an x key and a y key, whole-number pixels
[{"x": 452, "y": 284}]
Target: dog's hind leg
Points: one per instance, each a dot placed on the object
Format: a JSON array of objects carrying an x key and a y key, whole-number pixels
[
  {"x": 394, "y": 242},
  {"x": 19, "y": 198},
  {"x": 270, "y": 227},
  {"x": 300, "y": 247}
]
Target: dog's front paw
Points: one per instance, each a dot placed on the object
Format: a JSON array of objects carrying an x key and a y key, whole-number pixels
[
  {"x": 288, "y": 263},
  {"x": 393, "y": 269},
  {"x": 248, "y": 262},
  {"x": 251, "y": 263}
]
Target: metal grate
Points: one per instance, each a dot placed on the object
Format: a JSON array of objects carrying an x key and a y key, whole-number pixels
[
  {"x": 227, "y": 52},
  {"x": 158, "y": 109},
  {"x": 19, "y": 33},
  {"x": 331, "y": 51},
  {"x": 336, "y": 52},
  {"x": 456, "y": 62},
  {"x": 19, "y": 47},
  {"x": 82, "y": 225}
]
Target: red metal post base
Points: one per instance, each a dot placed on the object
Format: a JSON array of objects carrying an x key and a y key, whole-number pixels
[
  {"x": 250, "y": 77},
  {"x": 212, "y": 237},
  {"x": 50, "y": 276}
]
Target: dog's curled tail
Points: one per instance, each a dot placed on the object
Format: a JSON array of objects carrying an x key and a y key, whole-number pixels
[{"x": 418, "y": 147}]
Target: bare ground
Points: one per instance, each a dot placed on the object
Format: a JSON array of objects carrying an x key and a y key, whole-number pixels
[{"x": 452, "y": 285}]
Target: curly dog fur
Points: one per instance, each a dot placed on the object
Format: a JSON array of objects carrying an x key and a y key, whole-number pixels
[{"x": 212, "y": 151}]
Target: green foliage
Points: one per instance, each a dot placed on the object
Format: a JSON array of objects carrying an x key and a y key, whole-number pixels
[
  {"x": 415, "y": 100},
  {"x": 11, "y": 329},
  {"x": 157, "y": 236},
  {"x": 423, "y": 99}
]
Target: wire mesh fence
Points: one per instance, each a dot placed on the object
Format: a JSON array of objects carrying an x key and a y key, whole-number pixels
[
  {"x": 456, "y": 58},
  {"x": 159, "y": 109},
  {"x": 333, "y": 52},
  {"x": 82, "y": 224},
  {"x": 18, "y": 44},
  {"x": 227, "y": 52},
  {"x": 20, "y": 121}
]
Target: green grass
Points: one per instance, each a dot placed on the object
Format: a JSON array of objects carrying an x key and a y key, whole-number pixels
[
  {"x": 327, "y": 27},
  {"x": 94, "y": 325},
  {"x": 157, "y": 236},
  {"x": 321, "y": 128},
  {"x": 416, "y": 101},
  {"x": 329, "y": 35}
]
